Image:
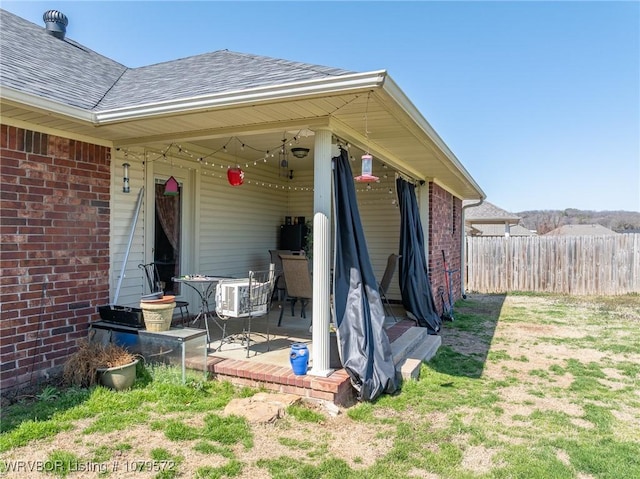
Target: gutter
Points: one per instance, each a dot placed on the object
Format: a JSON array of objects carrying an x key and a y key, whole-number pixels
[
  {"x": 463, "y": 248},
  {"x": 308, "y": 88}
]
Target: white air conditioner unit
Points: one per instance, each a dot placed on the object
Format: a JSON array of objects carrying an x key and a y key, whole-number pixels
[{"x": 232, "y": 299}]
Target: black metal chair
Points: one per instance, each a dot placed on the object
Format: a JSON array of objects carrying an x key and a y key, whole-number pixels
[{"x": 156, "y": 285}]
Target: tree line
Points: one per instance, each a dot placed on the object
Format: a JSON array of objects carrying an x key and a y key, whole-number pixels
[{"x": 543, "y": 221}]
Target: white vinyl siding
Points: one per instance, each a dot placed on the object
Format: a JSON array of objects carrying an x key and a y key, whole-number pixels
[
  {"x": 123, "y": 207},
  {"x": 232, "y": 228},
  {"x": 380, "y": 221}
]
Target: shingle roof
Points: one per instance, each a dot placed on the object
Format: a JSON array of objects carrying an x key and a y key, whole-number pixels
[
  {"x": 487, "y": 212},
  {"x": 479, "y": 229},
  {"x": 581, "y": 230},
  {"x": 209, "y": 73},
  {"x": 35, "y": 62}
]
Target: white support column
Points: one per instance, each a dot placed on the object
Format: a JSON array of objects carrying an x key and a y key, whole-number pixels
[{"x": 321, "y": 253}]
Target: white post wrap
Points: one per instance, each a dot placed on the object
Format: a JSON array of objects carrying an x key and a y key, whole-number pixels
[{"x": 321, "y": 253}]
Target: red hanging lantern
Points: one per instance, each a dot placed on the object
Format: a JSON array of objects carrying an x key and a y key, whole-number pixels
[
  {"x": 367, "y": 170},
  {"x": 235, "y": 176}
]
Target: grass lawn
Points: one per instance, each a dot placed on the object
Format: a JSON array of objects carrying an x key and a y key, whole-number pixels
[{"x": 524, "y": 386}]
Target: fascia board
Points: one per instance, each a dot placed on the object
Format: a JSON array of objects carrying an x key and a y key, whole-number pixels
[
  {"x": 44, "y": 104},
  {"x": 287, "y": 91},
  {"x": 397, "y": 95}
]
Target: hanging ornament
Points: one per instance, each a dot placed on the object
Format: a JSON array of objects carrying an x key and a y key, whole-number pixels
[
  {"x": 235, "y": 176},
  {"x": 367, "y": 170},
  {"x": 367, "y": 159},
  {"x": 171, "y": 187}
]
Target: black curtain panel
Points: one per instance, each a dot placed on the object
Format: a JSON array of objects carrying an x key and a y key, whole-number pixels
[
  {"x": 359, "y": 314},
  {"x": 415, "y": 286}
]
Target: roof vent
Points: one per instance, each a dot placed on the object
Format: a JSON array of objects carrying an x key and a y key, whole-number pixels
[{"x": 55, "y": 23}]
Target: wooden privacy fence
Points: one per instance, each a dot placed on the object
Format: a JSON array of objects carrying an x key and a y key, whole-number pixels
[{"x": 580, "y": 265}]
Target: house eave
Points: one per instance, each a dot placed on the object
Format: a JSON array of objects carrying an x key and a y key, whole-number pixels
[
  {"x": 46, "y": 105},
  {"x": 412, "y": 147},
  {"x": 273, "y": 93},
  {"x": 398, "y": 96}
]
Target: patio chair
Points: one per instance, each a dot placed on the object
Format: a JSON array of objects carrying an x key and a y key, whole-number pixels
[
  {"x": 385, "y": 282},
  {"x": 280, "y": 285},
  {"x": 246, "y": 299},
  {"x": 155, "y": 286},
  {"x": 298, "y": 283}
]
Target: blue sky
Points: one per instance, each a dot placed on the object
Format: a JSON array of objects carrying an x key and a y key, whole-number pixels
[{"x": 540, "y": 101}]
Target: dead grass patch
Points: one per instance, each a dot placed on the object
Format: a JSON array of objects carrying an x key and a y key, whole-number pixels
[{"x": 478, "y": 459}]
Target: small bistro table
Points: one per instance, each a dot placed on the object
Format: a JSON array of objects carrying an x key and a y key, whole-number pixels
[{"x": 204, "y": 286}]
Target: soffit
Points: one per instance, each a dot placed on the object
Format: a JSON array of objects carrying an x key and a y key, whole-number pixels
[{"x": 371, "y": 120}]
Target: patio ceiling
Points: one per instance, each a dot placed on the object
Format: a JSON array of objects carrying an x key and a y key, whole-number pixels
[{"x": 397, "y": 133}]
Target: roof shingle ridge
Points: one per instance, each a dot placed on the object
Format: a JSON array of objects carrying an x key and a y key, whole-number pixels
[{"x": 328, "y": 70}]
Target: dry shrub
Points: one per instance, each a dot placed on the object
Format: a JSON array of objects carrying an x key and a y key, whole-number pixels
[{"x": 81, "y": 368}]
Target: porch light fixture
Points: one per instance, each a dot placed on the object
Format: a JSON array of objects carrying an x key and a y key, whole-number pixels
[
  {"x": 299, "y": 152},
  {"x": 171, "y": 187},
  {"x": 125, "y": 178}
]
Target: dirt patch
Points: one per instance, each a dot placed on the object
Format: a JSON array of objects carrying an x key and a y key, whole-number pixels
[
  {"x": 314, "y": 442},
  {"x": 311, "y": 442},
  {"x": 465, "y": 343},
  {"x": 478, "y": 459}
]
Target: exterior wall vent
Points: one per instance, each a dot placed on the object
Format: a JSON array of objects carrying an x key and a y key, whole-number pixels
[{"x": 55, "y": 23}]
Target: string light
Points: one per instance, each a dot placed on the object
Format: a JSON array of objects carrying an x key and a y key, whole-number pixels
[{"x": 206, "y": 167}]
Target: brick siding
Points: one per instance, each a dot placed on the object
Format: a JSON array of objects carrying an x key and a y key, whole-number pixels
[
  {"x": 445, "y": 213},
  {"x": 54, "y": 269}
]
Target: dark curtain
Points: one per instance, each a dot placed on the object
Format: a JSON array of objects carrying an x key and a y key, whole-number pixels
[
  {"x": 359, "y": 314},
  {"x": 415, "y": 286},
  {"x": 168, "y": 212}
]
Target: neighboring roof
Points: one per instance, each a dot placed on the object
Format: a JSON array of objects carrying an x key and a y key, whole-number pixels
[
  {"x": 479, "y": 229},
  {"x": 202, "y": 100},
  {"x": 488, "y": 213},
  {"x": 581, "y": 230}
]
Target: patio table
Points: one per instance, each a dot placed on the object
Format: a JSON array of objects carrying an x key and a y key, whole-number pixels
[{"x": 203, "y": 285}]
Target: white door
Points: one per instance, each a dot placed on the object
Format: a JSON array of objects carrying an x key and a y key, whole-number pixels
[{"x": 169, "y": 237}]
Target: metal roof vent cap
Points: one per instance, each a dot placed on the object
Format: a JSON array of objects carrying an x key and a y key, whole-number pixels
[{"x": 55, "y": 23}]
